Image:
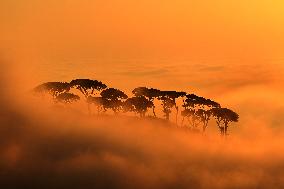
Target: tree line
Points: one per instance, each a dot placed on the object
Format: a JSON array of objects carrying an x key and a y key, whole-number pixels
[{"x": 196, "y": 111}]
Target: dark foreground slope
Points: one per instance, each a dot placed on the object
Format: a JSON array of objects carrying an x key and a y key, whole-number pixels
[{"x": 44, "y": 148}]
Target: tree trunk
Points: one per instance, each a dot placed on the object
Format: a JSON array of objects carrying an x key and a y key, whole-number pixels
[
  {"x": 176, "y": 115},
  {"x": 204, "y": 127},
  {"x": 226, "y": 129},
  {"x": 154, "y": 111},
  {"x": 221, "y": 130},
  {"x": 205, "y": 124}
]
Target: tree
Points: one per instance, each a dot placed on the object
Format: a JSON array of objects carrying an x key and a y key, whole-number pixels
[
  {"x": 192, "y": 104},
  {"x": 112, "y": 99},
  {"x": 168, "y": 99},
  {"x": 197, "y": 110},
  {"x": 223, "y": 117},
  {"x": 67, "y": 98},
  {"x": 205, "y": 114},
  {"x": 88, "y": 87},
  {"x": 150, "y": 94},
  {"x": 138, "y": 104},
  {"x": 53, "y": 88},
  {"x": 97, "y": 101},
  {"x": 204, "y": 117}
]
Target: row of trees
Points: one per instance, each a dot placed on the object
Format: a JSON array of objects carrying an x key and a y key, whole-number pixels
[{"x": 197, "y": 111}]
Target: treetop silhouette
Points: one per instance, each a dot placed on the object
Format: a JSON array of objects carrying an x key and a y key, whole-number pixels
[
  {"x": 193, "y": 100},
  {"x": 197, "y": 110},
  {"x": 67, "y": 98},
  {"x": 149, "y": 93},
  {"x": 138, "y": 104},
  {"x": 168, "y": 99},
  {"x": 97, "y": 101},
  {"x": 112, "y": 99},
  {"x": 223, "y": 117},
  {"x": 87, "y": 86},
  {"x": 53, "y": 88}
]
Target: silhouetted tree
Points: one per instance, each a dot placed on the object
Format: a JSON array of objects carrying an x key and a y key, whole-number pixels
[
  {"x": 204, "y": 117},
  {"x": 150, "y": 94},
  {"x": 112, "y": 99},
  {"x": 97, "y": 101},
  {"x": 192, "y": 104},
  {"x": 197, "y": 110},
  {"x": 67, "y": 98},
  {"x": 168, "y": 99},
  {"x": 205, "y": 114},
  {"x": 88, "y": 87},
  {"x": 192, "y": 117},
  {"x": 138, "y": 104},
  {"x": 223, "y": 117},
  {"x": 53, "y": 88}
]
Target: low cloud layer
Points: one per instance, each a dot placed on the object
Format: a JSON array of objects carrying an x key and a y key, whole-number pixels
[{"x": 43, "y": 147}]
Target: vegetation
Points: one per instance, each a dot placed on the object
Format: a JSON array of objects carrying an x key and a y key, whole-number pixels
[
  {"x": 113, "y": 99},
  {"x": 67, "y": 98},
  {"x": 150, "y": 94},
  {"x": 97, "y": 101},
  {"x": 223, "y": 117},
  {"x": 168, "y": 99},
  {"x": 198, "y": 110},
  {"x": 138, "y": 104},
  {"x": 53, "y": 88},
  {"x": 196, "y": 114},
  {"x": 88, "y": 88}
]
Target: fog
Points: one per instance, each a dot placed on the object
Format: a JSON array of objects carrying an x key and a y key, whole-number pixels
[
  {"x": 43, "y": 146},
  {"x": 228, "y": 51}
]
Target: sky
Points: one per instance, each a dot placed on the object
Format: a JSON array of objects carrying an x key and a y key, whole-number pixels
[
  {"x": 147, "y": 29},
  {"x": 231, "y": 51},
  {"x": 143, "y": 39}
]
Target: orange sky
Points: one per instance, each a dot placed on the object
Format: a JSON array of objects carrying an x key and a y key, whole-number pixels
[
  {"x": 228, "y": 50},
  {"x": 147, "y": 29}
]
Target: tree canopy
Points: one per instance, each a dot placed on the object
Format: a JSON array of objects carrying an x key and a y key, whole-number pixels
[
  {"x": 87, "y": 86},
  {"x": 168, "y": 99},
  {"x": 112, "y": 99},
  {"x": 67, "y": 98},
  {"x": 138, "y": 104},
  {"x": 223, "y": 117},
  {"x": 53, "y": 88},
  {"x": 197, "y": 110}
]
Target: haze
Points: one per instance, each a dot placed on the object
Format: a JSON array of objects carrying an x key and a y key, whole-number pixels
[{"x": 230, "y": 51}]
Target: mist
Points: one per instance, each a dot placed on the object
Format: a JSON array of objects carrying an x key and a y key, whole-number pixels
[
  {"x": 229, "y": 51},
  {"x": 43, "y": 146}
]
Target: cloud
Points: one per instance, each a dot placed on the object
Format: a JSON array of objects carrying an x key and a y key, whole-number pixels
[
  {"x": 44, "y": 147},
  {"x": 48, "y": 148}
]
